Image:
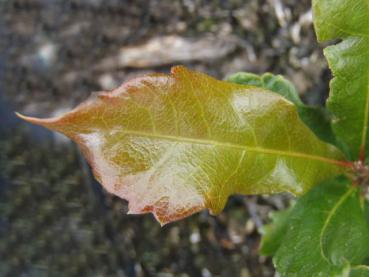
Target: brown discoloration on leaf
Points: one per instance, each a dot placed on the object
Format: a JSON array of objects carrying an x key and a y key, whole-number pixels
[{"x": 174, "y": 144}]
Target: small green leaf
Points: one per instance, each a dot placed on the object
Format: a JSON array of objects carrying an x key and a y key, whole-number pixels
[
  {"x": 347, "y": 20},
  {"x": 275, "y": 83},
  {"x": 173, "y": 144},
  {"x": 316, "y": 118},
  {"x": 327, "y": 231},
  {"x": 274, "y": 232}
]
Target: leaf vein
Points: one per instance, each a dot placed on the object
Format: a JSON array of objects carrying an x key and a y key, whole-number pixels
[
  {"x": 332, "y": 212},
  {"x": 240, "y": 147}
]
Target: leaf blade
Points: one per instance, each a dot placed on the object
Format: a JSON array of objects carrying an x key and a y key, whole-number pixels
[
  {"x": 175, "y": 144},
  {"x": 349, "y": 62},
  {"x": 316, "y": 118},
  {"x": 327, "y": 232}
]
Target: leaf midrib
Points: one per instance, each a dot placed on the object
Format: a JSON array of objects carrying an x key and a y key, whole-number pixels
[
  {"x": 361, "y": 267},
  {"x": 331, "y": 213},
  {"x": 347, "y": 32},
  {"x": 261, "y": 150}
]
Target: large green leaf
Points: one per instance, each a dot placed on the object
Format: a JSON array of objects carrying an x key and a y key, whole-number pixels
[
  {"x": 327, "y": 232},
  {"x": 175, "y": 144},
  {"x": 349, "y": 60},
  {"x": 316, "y": 118}
]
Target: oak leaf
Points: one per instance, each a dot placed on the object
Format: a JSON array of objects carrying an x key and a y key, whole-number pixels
[{"x": 174, "y": 144}]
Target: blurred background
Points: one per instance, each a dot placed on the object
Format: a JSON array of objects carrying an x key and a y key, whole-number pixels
[{"x": 55, "y": 219}]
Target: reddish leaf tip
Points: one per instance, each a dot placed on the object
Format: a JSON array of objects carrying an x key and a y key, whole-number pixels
[
  {"x": 45, "y": 122},
  {"x": 30, "y": 119}
]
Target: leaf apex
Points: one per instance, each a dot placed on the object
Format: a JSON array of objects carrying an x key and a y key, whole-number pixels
[{"x": 45, "y": 122}]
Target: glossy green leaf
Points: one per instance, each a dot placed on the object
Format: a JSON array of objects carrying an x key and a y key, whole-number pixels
[
  {"x": 327, "y": 232},
  {"x": 347, "y": 20},
  {"x": 273, "y": 233},
  {"x": 316, "y": 118},
  {"x": 175, "y": 144}
]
